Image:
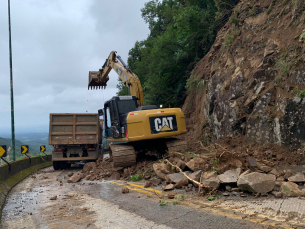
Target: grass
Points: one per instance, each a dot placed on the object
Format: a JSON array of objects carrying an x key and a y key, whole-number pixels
[
  {"x": 251, "y": 12},
  {"x": 214, "y": 170},
  {"x": 136, "y": 177},
  {"x": 213, "y": 197},
  {"x": 278, "y": 79},
  {"x": 228, "y": 39},
  {"x": 269, "y": 9},
  {"x": 257, "y": 116},
  {"x": 302, "y": 36},
  {"x": 234, "y": 20},
  {"x": 162, "y": 203},
  {"x": 215, "y": 161},
  {"x": 181, "y": 197}
]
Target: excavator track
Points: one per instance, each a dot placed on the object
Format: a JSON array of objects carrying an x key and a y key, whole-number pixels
[
  {"x": 123, "y": 155},
  {"x": 176, "y": 145}
]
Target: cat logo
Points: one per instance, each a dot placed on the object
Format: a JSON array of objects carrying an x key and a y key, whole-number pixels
[{"x": 163, "y": 124}]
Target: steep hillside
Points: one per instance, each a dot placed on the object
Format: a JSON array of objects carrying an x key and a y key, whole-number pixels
[{"x": 252, "y": 81}]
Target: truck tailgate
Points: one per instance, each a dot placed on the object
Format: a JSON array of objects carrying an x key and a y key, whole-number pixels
[{"x": 74, "y": 129}]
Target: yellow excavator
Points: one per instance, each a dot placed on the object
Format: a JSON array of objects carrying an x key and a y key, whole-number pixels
[{"x": 134, "y": 130}]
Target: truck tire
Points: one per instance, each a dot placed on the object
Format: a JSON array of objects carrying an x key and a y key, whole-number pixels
[{"x": 56, "y": 165}]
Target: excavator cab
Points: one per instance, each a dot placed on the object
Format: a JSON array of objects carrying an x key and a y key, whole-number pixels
[{"x": 115, "y": 115}]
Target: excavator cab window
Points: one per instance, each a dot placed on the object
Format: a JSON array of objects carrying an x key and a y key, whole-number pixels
[{"x": 118, "y": 108}]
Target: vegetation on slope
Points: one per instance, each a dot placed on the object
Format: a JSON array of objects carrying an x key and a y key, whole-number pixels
[{"x": 181, "y": 33}]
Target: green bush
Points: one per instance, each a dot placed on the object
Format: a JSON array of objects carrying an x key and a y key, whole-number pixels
[{"x": 136, "y": 177}]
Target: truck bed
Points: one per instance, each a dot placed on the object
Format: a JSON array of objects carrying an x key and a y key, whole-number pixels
[{"x": 74, "y": 129}]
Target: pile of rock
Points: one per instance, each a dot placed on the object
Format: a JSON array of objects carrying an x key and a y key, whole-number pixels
[{"x": 258, "y": 179}]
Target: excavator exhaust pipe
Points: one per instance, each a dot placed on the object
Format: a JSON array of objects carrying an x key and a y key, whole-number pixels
[{"x": 95, "y": 82}]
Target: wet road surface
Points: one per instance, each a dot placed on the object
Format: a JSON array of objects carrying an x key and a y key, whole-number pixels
[{"x": 99, "y": 204}]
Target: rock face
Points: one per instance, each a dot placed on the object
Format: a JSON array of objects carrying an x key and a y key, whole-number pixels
[
  {"x": 250, "y": 88},
  {"x": 291, "y": 189},
  {"x": 256, "y": 182},
  {"x": 161, "y": 170},
  {"x": 230, "y": 176}
]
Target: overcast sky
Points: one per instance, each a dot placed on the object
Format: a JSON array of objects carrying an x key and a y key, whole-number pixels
[{"x": 55, "y": 43}]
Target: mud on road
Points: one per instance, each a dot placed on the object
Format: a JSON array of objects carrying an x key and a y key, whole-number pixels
[{"x": 46, "y": 200}]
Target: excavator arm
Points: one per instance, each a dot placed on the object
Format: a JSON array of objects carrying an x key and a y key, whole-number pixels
[{"x": 98, "y": 79}]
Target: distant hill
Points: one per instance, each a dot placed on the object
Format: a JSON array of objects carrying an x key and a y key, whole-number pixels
[{"x": 8, "y": 143}]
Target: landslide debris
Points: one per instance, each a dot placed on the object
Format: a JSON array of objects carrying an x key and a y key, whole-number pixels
[{"x": 251, "y": 82}]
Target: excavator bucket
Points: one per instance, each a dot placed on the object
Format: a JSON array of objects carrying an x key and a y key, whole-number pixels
[{"x": 95, "y": 80}]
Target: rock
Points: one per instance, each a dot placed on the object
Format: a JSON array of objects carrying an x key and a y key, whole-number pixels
[
  {"x": 147, "y": 184},
  {"x": 225, "y": 194},
  {"x": 116, "y": 169},
  {"x": 265, "y": 168},
  {"x": 274, "y": 172},
  {"x": 291, "y": 189},
  {"x": 70, "y": 174},
  {"x": 53, "y": 198},
  {"x": 228, "y": 188},
  {"x": 155, "y": 182},
  {"x": 147, "y": 177},
  {"x": 161, "y": 170},
  {"x": 125, "y": 189},
  {"x": 212, "y": 182},
  {"x": 115, "y": 176},
  {"x": 196, "y": 175},
  {"x": 206, "y": 175},
  {"x": 288, "y": 174},
  {"x": 298, "y": 178},
  {"x": 171, "y": 195},
  {"x": 277, "y": 194},
  {"x": 252, "y": 163},
  {"x": 181, "y": 164},
  {"x": 196, "y": 163},
  {"x": 182, "y": 183},
  {"x": 168, "y": 187},
  {"x": 229, "y": 176},
  {"x": 280, "y": 179},
  {"x": 75, "y": 178},
  {"x": 176, "y": 177},
  {"x": 235, "y": 190},
  {"x": 257, "y": 182}
]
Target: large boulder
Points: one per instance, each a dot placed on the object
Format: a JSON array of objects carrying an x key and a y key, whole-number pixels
[
  {"x": 161, "y": 170},
  {"x": 229, "y": 176},
  {"x": 256, "y": 182},
  {"x": 196, "y": 164},
  {"x": 291, "y": 189}
]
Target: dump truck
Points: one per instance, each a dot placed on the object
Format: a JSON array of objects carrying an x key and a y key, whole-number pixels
[
  {"x": 75, "y": 138},
  {"x": 132, "y": 129}
]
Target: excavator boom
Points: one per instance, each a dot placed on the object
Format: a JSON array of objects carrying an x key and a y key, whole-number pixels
[{"x": 99, "y": 79}]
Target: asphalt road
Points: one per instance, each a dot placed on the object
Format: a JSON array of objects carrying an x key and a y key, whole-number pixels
[{"x": 100, "y": 204}]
